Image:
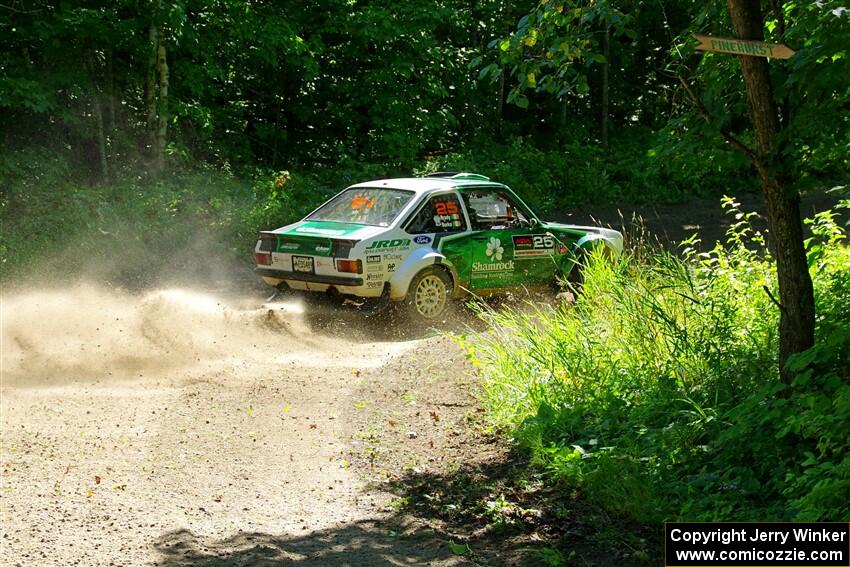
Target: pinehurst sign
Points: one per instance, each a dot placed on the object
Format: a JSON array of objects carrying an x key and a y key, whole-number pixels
[{"x": 744, "y": 47}]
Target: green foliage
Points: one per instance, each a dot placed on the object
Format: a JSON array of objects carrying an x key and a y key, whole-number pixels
[
  {"x": 572, "y": 174},
  {"x": 281, "y": 198},
  {"x": 553, "y": 47},
  {"x": 551, "y": 557},
  {"x": 277, "y": 84},
  {"x": 132, "y": 231},
  {"x": 556, "y": 53},
  {"x": 657, "y": 393},
  {"x": 306, "y": 85},
  {"x": 812, "y": 85}
]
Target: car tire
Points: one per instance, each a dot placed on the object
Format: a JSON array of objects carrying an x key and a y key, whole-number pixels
[
  {"x": 429, "y": 294},
  {"x": 575, "y": 279},
  {"x": 576, "y": 276}
]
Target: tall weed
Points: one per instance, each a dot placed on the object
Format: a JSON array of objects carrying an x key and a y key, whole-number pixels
[{"x": 658, "y": 392}]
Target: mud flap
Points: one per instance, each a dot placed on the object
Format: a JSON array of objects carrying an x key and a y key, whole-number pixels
[{"x": 372, "y": 308}]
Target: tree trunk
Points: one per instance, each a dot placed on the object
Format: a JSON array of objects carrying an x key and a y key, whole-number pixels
[
  {"x": 150, "y": 89},
  {"x": 562, "y": 121},
  {"x": 110, "y": 91},
  {"x": 796, "y": 298},
  {"x": 606, "y": 52},
  {"x": 101, "y": 136},
  {"x": 162, "y": 107},
  {"x": 97, "y": 112},
  {"x": 500, "y": 103}
]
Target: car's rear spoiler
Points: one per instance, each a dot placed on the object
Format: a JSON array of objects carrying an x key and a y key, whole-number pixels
[{"x": 271, "y": 241}]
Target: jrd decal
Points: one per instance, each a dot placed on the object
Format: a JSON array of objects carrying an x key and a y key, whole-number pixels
[{"x": 398, "y": 242}]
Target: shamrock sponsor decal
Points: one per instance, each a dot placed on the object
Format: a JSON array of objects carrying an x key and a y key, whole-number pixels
[{"x": 494, "y": 249}]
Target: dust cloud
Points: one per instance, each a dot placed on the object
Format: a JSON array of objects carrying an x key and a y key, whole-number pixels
[{"x": 93, "y": 332}]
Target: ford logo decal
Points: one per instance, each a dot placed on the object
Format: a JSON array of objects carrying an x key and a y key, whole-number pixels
[{"x": 422, "y": 239}]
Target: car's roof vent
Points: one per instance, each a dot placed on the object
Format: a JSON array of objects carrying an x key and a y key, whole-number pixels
[{"x": 459, "y": 175}]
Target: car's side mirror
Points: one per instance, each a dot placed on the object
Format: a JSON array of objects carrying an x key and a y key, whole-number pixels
[{"x": 533, "y": 223}]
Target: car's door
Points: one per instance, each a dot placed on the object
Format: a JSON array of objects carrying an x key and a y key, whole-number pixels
[
  {"x": 438, "y": 221},
  {"x": 504, "y": 250}
]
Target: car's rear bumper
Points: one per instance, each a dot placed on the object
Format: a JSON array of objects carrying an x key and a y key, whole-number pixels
[{"x": 311, "y": 278}]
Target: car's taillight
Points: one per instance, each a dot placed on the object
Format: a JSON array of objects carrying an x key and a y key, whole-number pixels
[
  {"x": 263, "y": 258},
  {"x": 351, "y": 266},
  {"x": 268, "y": 242}
]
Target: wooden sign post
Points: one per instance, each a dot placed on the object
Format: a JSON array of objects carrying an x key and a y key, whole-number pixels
[{"x": 744, "y": 47}]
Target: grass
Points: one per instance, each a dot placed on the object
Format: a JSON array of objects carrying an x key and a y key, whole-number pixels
[{"x": 657, "y": 394}]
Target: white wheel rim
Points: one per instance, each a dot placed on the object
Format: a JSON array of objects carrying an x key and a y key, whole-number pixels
[{"x": 430, "y": 296}]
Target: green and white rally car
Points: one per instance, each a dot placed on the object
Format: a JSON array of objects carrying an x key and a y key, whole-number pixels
[{"x": 424, "y": 241}]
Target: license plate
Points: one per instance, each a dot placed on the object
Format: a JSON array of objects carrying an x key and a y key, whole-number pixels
[{"x": 303, "y": 264}]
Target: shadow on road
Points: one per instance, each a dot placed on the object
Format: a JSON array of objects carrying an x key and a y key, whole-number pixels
[
  {"x": 530, "y": 520},
  {"x": 334, "y": 319},
  {"x": 359, "y": 543},
  {"x": 507, "y": 515}
]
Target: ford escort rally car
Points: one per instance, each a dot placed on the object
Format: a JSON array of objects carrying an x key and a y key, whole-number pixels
[{"x": 424, "y": 241}]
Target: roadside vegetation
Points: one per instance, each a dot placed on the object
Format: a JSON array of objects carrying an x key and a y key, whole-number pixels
[{"x": 657, "y": 395}]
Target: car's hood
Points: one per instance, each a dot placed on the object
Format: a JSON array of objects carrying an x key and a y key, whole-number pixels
[
  {"x": 612, "y": 236},
  {"x": 328, "y": 229}
]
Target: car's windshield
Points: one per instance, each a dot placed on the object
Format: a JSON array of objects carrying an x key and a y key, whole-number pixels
[{"x": 364, "y": 205}]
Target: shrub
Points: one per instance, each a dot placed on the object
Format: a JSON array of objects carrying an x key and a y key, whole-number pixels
[{"x": 657, "y": 392}]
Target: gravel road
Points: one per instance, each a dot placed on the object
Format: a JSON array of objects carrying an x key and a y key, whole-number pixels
[{"x": 175, "y": 428}]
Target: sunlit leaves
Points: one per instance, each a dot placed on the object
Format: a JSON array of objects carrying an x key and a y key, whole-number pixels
[{"x": 554, "y": 46}]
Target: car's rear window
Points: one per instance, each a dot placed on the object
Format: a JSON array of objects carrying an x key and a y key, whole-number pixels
[{"x": 376, "y": 206}]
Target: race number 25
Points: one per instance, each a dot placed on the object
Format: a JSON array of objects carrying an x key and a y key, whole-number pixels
[
  {"x": 447, "y": 208},
  {"x": 543, "y": 242}
]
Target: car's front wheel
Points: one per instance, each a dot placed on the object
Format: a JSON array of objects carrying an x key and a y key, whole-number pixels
[{"x": 428, "y": 296}]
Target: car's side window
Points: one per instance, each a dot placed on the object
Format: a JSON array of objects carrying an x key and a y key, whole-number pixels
[
  {"x": 442, "y": 213},
  {"x": 490, "y": 210}
]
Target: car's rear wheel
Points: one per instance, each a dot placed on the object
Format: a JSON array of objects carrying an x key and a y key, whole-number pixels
[{"x": 428, "y": 296}]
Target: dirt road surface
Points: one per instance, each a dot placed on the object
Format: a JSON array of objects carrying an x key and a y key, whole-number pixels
[{"x": 175, "y": 428}]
